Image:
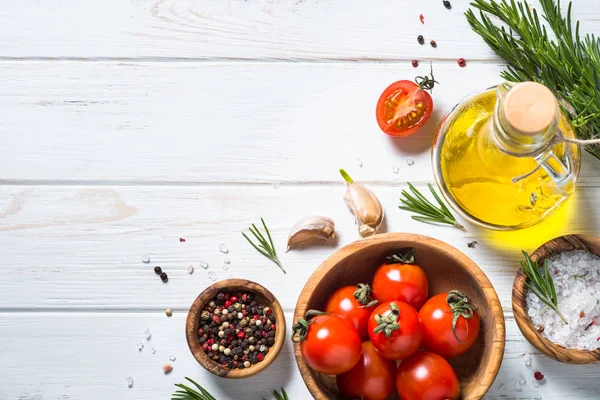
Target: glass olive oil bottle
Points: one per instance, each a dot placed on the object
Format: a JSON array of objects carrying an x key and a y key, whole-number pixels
[{"x": 498, "y": 156}]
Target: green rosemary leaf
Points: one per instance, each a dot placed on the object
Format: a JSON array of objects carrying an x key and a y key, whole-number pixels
[
  {"x": 190, "y": 394},
  {"x": 264, "y": 247},
  {"x": 426, "y": 211},
  {"x": 569, "y": 65}
]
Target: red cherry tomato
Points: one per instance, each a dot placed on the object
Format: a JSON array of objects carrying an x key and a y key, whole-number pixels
[
  {"x": 427, "y": 376},
  {"x": 402, "y": 282},
  {"x": 372, "y": 378},
  {"x": 350, "y": 302},
  {"x": 437, "y": 316},
  {"x": 403, "y": 108},
  {"x": 395, "y": 330},
  {"x": 329, "y": 343}
]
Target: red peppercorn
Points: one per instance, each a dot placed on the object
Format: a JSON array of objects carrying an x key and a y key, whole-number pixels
[
  {"x": 233, "y": 299},
  {"x": 210, "y": 341},
  {"x": 462, "y": 62},
  {"x": 255, "y": 317},
  {"x": 415, "y": 63},
  {"x": 538, "y": 376},
  {"x": 216, "y": 319},
  {"x": 581, "y": 314},
  {"x": 265, "y": 334},
  {"x": 241, "y": 335},
  {"x": 205, "y": 347},
  {"x": 260, "y": 357},
  {"x": 422, "y": 19},
  {"x": 227, "y": 303},
  {"x": 273, "y": 326},
  {"x": 200, "y": 332},
  {"x": 230, "y": 338},
  {"x": 244, "y": 297},
  {"x": 181, "y": 240},
  {"x": 227, "y": 295},
  {"x": 244, "y": 313}
]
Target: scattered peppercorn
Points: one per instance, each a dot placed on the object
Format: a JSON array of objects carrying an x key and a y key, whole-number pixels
[
  {"x": 447, "y": 4},
  {"x": 157, "y": 270},
  {"x": 472, "y": 244},
  {"x": 433, "y": 43},
  {"x": 422, "y": 19},
  {"x": 169, "y": 312},
  {"x": 235, "y": 330},
  {"x": 420, "y": 39},
  {"x": 167, "y": 368},
  {"x": 462, "y": 62},
  {"x": 538, "y": 376},
  {"x": 164, "y": 277},
  {"x": 181, "y": 240}
]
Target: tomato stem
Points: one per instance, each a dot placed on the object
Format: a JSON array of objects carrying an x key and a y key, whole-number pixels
[
  {"x": 300, "y": 328},
  {"x": 460, "y": 306},
  {"x": 388, "y": 324},
  {"x": 425, "y": 82},
  {"x": 363, "y": 295},
  {"x": 405, "y": 256}
]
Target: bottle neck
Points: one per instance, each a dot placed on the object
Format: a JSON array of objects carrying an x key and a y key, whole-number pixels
[{"x": 516, "y": 143}]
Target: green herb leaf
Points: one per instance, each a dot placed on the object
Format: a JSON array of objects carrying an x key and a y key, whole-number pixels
[
  {"x": 540, "y": 283},
  {"x": 191, "y": 394},
  {"x": 568, "y": 65},
  {"x": 264, "y": 247},
  {"x": 417, "y": 203}
]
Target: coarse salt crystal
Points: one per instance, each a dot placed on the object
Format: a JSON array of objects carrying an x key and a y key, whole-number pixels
[
  {"x": 172, "y": 358},
  {"x": 395, "y": 169},
  {"x": 190, "y": 269},
  {"x": 140, "y": 346},
  {"x": 212, "y": 275},
  {"x": 410, "y": 161},
  {"x": 203, "y": 264},
  {"x": 146, "y": 258},
  {"x": 129, "y": 381},
  {"x": 527, "y": 359},
  {"x": 576, "y": 276},
  {"x": 223, "y": 248},
  {"x": 147, "y": 334},
  {"x": 359, "y": 162}
]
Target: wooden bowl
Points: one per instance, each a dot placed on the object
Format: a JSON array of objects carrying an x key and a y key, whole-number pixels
[
  {"x": 193, "y": 319},
  {"x": 519, "y": 300},
  {"x": 446, "y": 268}
]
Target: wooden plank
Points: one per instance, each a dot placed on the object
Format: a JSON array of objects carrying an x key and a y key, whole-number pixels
[
  {"x": 195, "y": 123},
  {"x": 89, "y": 356},
  {"x": 237, "y": 29},
  {"x": 76, "y": 248}
]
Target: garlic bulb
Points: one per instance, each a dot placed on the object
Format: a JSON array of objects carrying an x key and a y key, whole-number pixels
[
  {"x": 309, "y": 229},
  {"x": 364, "y": 205}
]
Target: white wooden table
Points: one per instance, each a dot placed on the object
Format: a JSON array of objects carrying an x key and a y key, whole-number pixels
[{"x": 126, "y": 125}]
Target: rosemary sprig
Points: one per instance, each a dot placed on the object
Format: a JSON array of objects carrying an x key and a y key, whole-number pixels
[
  {"x": 428, "y": 212},
  {"x": 191, "y": 394},
  {"x": 569, "y": 65},
  {"x": 264, "y": 247},
  {"x": 278, "y": 396},
  {"x": 540, "y": 282}
]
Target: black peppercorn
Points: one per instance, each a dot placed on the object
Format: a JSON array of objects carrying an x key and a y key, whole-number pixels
[
  {"x": 433, "y": 43},
  {"x": 157, "y": 270},
  {"x": 164, "y": 277},
  {"x": 447, "y": 4},
  {"x": 420, "y": 39}
]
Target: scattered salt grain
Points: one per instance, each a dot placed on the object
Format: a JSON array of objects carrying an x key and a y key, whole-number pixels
[
  {"x": 225, "y": 267},
  {"x": 395, "y": 169},
  {"x": 153, "y": 350},
  {"x": 140, "y": 346},
  {"x": 146, "y": 259},
  {"x": 359, "y": 162},
  {"x": 522, "y": 379},
  {"x": 227, "y": 260},
  {"x": 517, "y": 385},
  {"x": 212, "y": 275},
  {"x": 535, "y": 383},
  {"x": 527, "y": 359},
  {"x": 203, "y": 264},
  {"x": 190, "y": 269},
  {"x": 223, "y": 248},
  {"x": 410, "y": 161},
  {"x": 172, "y": 358},
  {"x": 129, "y": 381},
  {"x": 538, "y": 397},
  {"x": 147, "y": 334},
  {"x": 576, "y": 276}
]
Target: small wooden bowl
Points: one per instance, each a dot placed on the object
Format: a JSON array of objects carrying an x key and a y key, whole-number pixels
[
  {"x": 446, "y": 269},
  {"x": 193, "y": 320},
  {"x": 519, "y": 300}
]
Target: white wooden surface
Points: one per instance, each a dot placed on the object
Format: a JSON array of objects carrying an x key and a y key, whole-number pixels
[{"x": 127, "y": 125}]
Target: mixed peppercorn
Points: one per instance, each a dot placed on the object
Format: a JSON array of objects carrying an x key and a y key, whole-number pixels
[{"x": 235, "y": 330}]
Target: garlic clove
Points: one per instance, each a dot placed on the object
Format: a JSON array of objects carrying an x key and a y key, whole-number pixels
[
  {"x": 309, "y": 229},
  {"x": 364, "y": 205}
]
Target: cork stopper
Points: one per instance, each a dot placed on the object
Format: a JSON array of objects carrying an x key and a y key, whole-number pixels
[{"x": 530, "y": 108}]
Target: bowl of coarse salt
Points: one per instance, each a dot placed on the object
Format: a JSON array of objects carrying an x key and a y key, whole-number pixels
[{"x": 574, "y": 266}]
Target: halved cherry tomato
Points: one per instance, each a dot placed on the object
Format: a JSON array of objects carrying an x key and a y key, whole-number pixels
[
  {"x": 404, "y": 107},
  {"x": 395, "y": 330},
  {"x": 352, "y": 303},
  {"x": 427, "y": 376},
  {"x": 401, "y": 280},
  {"x": 372, "y": 378},
  {"x": 329, "y": 343},
  {"x": 439, "y": 314}
]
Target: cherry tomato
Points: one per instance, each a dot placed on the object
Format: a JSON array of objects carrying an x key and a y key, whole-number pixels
[
  {"x": 399, "y": 281},
  {"x": 440, "y": 336},
  {"x": 427, "y": 376},
  {"x": 351, "y": 302},
  {"x": 329, "y": 343},
  {"x": 395, "y": 330},
  {"x": 372, "y": 378},
  {"x": 404, "y": 107}
]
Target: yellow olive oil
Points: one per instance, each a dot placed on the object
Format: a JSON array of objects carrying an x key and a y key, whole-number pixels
[{"x": 489, "y": 184}]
